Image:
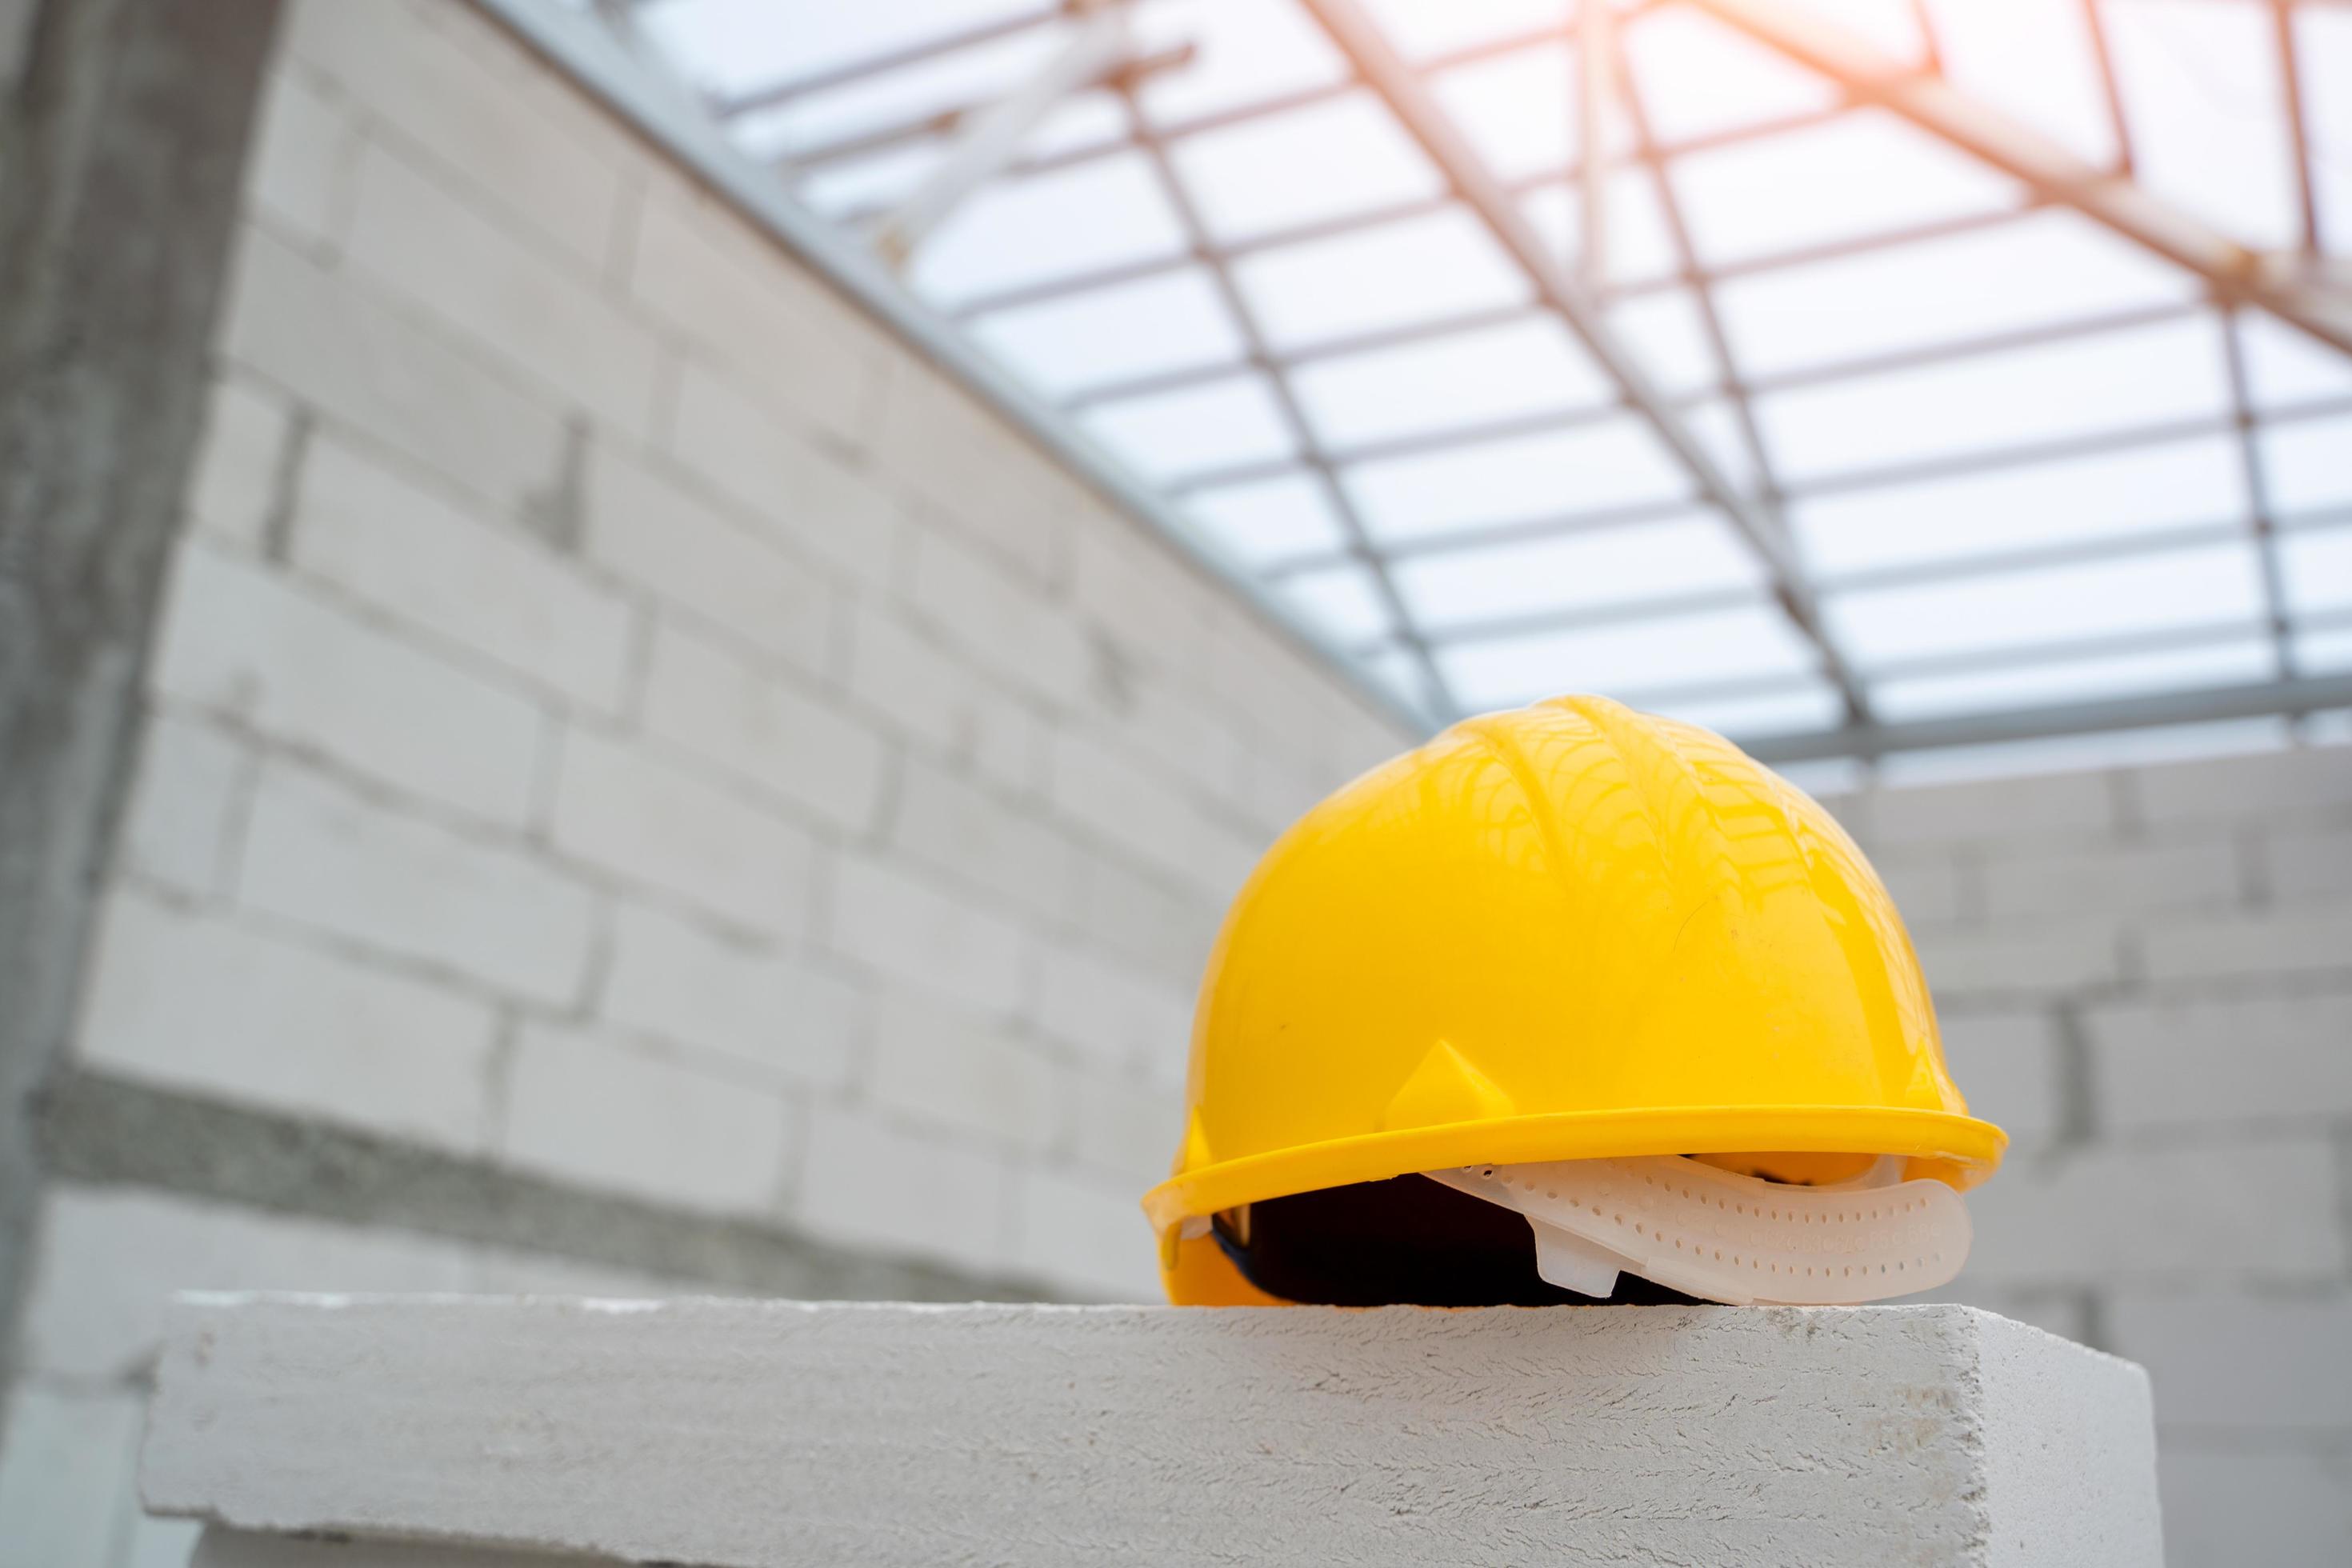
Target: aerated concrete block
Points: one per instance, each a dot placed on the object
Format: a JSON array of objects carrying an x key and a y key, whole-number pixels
[{"x": 762, "y": 1433}]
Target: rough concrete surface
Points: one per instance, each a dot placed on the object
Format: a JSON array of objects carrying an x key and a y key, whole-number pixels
[
  {"x": 760, "y": 1434},
  {"x": 123, "y": 132}
]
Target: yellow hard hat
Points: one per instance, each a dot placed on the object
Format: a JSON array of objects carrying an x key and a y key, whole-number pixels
[{"x": 1570, "y": 931}]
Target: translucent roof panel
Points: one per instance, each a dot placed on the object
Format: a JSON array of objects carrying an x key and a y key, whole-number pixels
[
  {"x": 1344, "y": 600},
  {"x": 1422, "y": 31},
  {"x": 2309, "y": 464},
  {"x": 2202, "y": 95},
  {"x": 1513, "y": 370},
  {"x": 2324, "y": 652},
  {"x": 874, "y": 183},
  {"x": 1097, "y": 213},
  {"x": 2024, "y": 397},
  {"x": 1592, "y": 468},
  {"x": 1699, "y": 78},
  {"x": 1314, "y": 164},
  {"x": 2043, "y": 269},
  {"x": 1694, "y": 554},
  {"x": 1804, "y": 706},
  {"x": 1269, "y": 521},
  {"x": 1716, "y": 424},
  {"x": 1416, "y": 270},
  {"x": 1640, "y": 245},
  {"x": 2286, "y": 368},
  {"x": 2016, "y": 460},
  {"x": 1668, "y": 335},
  {"x": 1172, "y": 322},
  {"x": 2317, "y": 565},
  {"x": 1520, "y": 110},
  {"x": 732, "y": 48},
  {"x": 2147, "y": 594},
  {"x": 2070, "y": 753},
  {"x": 1222, "y": 424},
  {"x": 2139, "y": 490},
  {"x": 2032, "y": 59},
  {"x": 1632, "y": 660},
  {"x": 1866, "y": 173},
  {"x": 1244, "y": 52},
  {"x": 2237, "y": 662},
  {"x": 2324, "y": 44}
]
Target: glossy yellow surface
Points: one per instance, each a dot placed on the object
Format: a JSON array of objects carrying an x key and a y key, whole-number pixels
[{"x": 1568, "y": 931}]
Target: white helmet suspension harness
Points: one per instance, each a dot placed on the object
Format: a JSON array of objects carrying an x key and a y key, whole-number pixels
[{"x": 1725, "y": 1237}]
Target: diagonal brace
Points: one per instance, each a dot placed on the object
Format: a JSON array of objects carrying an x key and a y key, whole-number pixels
[
  {"x": 1377, "y": 60},
  {"x": 1104, "y": 43},
  {"x": 2237, "y": 274}
]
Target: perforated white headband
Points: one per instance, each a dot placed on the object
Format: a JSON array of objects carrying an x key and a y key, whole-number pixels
[{"x": 1723, "y": 1236}]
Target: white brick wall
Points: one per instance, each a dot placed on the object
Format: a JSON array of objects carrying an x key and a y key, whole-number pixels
[
  {"x": 2146, "y": 973},
  {"x": 622, "y": 714},
  {"x": 204, "y": 1003},
  {"x": 388, "y": 539},
  {"x": 609, "y": 1114},
  {"x": 342, "y": 863}
]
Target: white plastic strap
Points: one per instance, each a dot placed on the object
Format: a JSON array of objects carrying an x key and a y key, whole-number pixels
[{"x": 1722, "y": 1236}]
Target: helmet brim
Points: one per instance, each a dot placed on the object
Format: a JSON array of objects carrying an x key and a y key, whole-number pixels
[{"x": 1950, "y": 1147}]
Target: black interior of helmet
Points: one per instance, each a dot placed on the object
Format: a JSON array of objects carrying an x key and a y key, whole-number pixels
[{"x": 1408, "y": 1241}]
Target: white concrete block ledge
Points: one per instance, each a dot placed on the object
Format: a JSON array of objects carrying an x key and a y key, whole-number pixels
[{"x": 448, "y": 1431}]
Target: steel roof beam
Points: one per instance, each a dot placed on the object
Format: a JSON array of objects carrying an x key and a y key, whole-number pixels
[
  {"x": 828, "y": 77},
  {"x": 1124, "y": 272},
  {"x": 961, "y": 118},
  {"x": 1569, "y": 417},
  {"x": 1070, "y": 157},
  {"x": 1925, "y": 574},
  {"x": 1528, "y": 530},
  {"x": 1409, "y": 97},
  {"x": 2111, "y": 87},
  {"x": 1183, "y": 377},
  {"x": 936, "y": 123},
  {"x": 2280, "y": 698},
  {"x": 1102, "y": 49},
  {"x": 1980, "y": 662},
  {"x": 2260, "y": 523},
  {"x": 2235, "y": 273},
  {"x": 1742, "y": 393},
  {"x": 1437, "y": 696},
  {"x": 2298, "y": 123},
  {"x": 1919, "y": 470}
]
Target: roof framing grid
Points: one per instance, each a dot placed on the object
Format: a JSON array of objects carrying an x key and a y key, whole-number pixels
[
  {"x": 778, "y": 93},
  {"x": 1019, "y": 295},
  {"x": 2299, "y": 124},
  {"x": 2013, "y": 657},
  {"x": 2236, "y": 274},
  {"x": 1918, "y": 471},
  {"x": 1718, "y": 341},
  {"x": 1417, "y": 109},
  {"x": 1549, "y": 421},
  {"x": 1157, "y": 382},
  {"x": 2295, "y": 287},
  {"x": 1437, "y": 696},
  {"x": 1961, "y": 569},
  {"x": 987, "y": 138},
  {"x": 2290, "y": 699},
  {"x": 2259, "y": 522}
]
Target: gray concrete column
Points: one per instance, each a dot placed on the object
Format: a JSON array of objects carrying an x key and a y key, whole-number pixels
[{"x": 123, "y": 125}]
